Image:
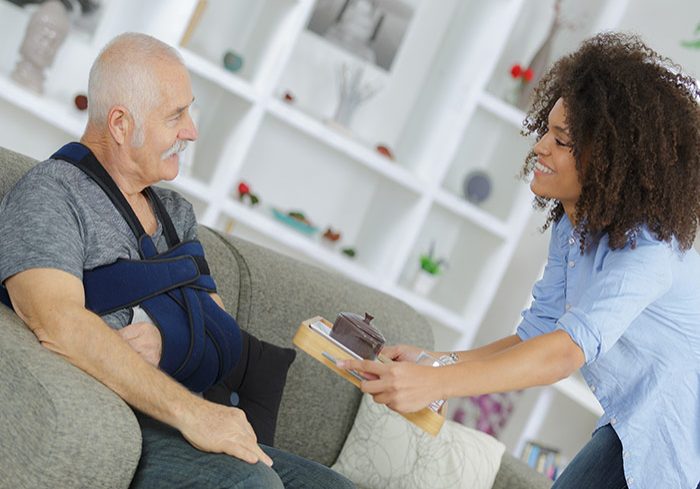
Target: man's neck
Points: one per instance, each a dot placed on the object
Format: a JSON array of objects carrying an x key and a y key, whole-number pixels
[{"x": 111, "y": 158}]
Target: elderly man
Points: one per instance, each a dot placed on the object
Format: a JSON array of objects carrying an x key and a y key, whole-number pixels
[{"x": 91, "y": 207}]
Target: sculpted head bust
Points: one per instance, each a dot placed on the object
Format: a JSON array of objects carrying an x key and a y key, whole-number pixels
[{"x": 45, "y": 33}]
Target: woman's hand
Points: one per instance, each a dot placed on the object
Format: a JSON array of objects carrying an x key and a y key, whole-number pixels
[
  {"x": 402, "y": 386},
  {"x": 145, "y": 339},
  {"x": 402, "y": 353}
]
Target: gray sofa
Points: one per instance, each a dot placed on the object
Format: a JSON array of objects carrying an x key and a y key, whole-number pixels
[{"x": 61, "y": 428}]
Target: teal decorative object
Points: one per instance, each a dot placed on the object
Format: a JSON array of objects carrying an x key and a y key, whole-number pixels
[
  {"x": 299, "y": 223},
  {"x": 233, "y": 61}
]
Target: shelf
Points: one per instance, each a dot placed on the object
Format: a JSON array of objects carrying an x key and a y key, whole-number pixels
[
  {"x": 263, "y": 223},
  {"x": 502, "y": 109},
  {"x": 191, "y": 186},
  {"x": 250, "y": 29},
  {"x": 579, "y": 20},
  {"x": 52, "y": 111},
  {"x": 222, "y": 119},
  {"x": 472, "y": 213},
  {"x": 346, "y": 143},
  {"x": 492, "y": 146},
  {"x": 219, "y": 75},
  {"x": 577, "y": 391},
  {"x": 317, "y": 95},
  {"x": 467, "y": 283},
  {"x": 444, "y": 316},
  {"x": 290, "y": 170}
]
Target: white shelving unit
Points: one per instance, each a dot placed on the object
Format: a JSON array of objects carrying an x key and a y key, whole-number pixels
[{"x": 440, "y": 110}]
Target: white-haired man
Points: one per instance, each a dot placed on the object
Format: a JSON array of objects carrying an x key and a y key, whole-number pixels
[{"x": 63, "y": 221}]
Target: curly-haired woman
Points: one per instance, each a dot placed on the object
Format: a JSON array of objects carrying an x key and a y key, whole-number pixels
[{"x": 617, "y": 167}]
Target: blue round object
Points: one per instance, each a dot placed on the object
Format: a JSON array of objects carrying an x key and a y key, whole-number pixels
[
  {"x": 476, "y": 187},
  {"x": 233, "y": 61}
]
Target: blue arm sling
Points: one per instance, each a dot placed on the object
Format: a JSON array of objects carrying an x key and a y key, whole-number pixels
[{"x": 201, "y": 342}]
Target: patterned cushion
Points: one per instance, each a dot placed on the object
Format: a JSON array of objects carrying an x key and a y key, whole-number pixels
[{"x": 383, "y": 450}]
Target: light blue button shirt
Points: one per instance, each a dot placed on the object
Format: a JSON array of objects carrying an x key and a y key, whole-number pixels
[{"x": 635, "y": 313}]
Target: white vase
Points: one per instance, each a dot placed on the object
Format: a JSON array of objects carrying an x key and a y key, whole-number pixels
[{"x": 424, "y": 282}]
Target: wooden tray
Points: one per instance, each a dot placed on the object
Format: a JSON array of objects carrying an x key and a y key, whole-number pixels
[{"x": 321, "y": 347}]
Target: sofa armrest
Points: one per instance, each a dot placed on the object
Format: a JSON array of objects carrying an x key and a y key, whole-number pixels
[
  {"x": 515, "y": 474},
  {"x": 59, "y": 427}
]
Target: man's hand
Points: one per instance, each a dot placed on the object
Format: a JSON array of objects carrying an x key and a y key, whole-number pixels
[
  {"x": 145, "y": 339},
  {"x": 221, "y": 429}
]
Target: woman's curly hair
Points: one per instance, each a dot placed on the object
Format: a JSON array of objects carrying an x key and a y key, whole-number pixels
[{"x": 634, "y": 121}]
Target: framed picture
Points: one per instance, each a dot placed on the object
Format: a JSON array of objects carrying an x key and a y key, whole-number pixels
[{"x": 370, "y": 29}]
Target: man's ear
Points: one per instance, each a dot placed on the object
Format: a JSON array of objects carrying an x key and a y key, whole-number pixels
[{"x": 120, "y": 123}]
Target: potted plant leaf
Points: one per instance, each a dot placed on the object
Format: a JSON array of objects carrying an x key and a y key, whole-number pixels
[{"x": 431, "y": 267}]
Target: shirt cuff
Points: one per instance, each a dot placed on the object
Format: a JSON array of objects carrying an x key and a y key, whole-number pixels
[
  {"x": 576, "y": 324},
  {"x": 526, "y": 330}
]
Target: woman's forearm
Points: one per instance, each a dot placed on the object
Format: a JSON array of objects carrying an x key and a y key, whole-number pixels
[
  {"x": 542, "y": 360},
  {"x": 487, "y": 350}
]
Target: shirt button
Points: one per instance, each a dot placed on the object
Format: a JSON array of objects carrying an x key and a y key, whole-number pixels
[
  {"x": 572, "y": 241},
  {"x": 613, "y": 421},
  {"x": 567, "y": 307},
  {"x": 572, "y": 263},
  {"x": 625, "y": 454},
  {"x": 592, "y": 388},
  {"x": 630, "y": 480}
]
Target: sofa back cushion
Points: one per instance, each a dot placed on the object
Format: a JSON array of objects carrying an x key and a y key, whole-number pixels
[
  {"x": 275, "y": 294},
  {"x": 12, "y": 167}
]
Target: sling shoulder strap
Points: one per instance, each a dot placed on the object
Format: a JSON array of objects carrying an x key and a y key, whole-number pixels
[{"x": 80, "y": 155}]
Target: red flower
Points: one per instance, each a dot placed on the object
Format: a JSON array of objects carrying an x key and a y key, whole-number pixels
[
  {"x": 516, "y": 70},
  {"x": 243, "y": 189},
  {"x": 528, "y": 74}
]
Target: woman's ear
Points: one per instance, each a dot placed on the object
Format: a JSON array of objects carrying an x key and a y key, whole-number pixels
[{"x": 120, "y": 123}]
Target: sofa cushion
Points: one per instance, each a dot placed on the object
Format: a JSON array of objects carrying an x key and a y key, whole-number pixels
[
  {"x": 258, "y": 383},
  {"x": 383, "y": 450}
]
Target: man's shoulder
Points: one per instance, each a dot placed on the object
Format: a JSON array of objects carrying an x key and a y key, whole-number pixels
[{"x": 51, "y": 172}]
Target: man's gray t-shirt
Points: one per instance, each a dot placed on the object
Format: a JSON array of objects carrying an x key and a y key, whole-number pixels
[{"x": 57, "y": 217}]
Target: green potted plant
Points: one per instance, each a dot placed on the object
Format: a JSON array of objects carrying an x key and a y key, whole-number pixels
[{"x": 431, "y": 267}]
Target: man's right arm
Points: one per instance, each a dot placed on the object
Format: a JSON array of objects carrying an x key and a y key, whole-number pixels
[{"x": 51, "y": 303}]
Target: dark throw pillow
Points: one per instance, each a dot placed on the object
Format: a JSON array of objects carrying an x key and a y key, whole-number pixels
[{"x": 256, "y": 384}]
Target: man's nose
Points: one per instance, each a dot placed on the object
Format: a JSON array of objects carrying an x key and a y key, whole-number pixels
[{"x": 189, "y": 132}]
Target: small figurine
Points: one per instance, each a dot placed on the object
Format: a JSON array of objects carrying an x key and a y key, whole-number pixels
[
  {"x": 385, "y": 151},
  {"x": 288, "y": 97},
  {"x": 233, "y": 61},
  {"x": 81, "y": 102},
  {"x": 300, "y": 217},
  {"x": 45, "y": 33},
  {"x": 476, "y": 187},
  {"x": 244, "y": 194},
  {"x": 330, "y": 235},
  {"x": 349, "y": 252}
]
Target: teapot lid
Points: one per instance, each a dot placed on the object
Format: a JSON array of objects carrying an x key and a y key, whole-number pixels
[{"x": 363, "y": 324}]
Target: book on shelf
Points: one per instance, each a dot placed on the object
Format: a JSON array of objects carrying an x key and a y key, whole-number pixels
[{"x": 545, "y": 460}]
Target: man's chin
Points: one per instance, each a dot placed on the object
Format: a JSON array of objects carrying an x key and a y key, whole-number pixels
[{"x": 171, "y": 167}]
